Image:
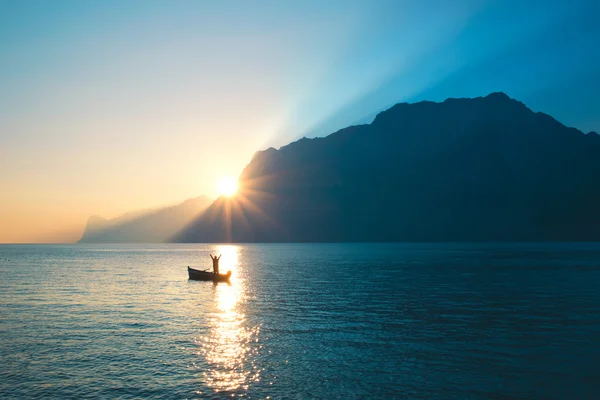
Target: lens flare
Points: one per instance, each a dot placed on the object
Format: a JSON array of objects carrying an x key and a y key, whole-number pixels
[{"x": 227, "y": 187}]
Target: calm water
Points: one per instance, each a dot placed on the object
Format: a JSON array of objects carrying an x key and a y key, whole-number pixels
[{"x": 301, "y": 321}]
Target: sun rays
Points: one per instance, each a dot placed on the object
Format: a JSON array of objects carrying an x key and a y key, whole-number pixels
[{"x": 238, "y": 210}]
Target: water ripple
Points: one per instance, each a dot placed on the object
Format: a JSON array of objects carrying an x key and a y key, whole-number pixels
[{"x": 301, "y": 321}]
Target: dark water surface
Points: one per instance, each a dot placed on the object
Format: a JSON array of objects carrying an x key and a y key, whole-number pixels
[{"x": 445, "y": 321}]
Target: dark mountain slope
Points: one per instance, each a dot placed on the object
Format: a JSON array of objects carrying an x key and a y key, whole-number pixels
[{"x": 462, "y": 170}]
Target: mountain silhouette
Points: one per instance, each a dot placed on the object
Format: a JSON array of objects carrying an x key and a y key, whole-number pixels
[
  {"x": 148, "y": 226},
  {"x": 481, "y": 169}
]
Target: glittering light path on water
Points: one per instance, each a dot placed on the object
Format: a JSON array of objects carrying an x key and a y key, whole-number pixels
[{"x": 229, "y": 346}]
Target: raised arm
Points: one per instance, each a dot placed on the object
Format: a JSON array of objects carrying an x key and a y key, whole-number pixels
[{"x": 219, "y": 256}]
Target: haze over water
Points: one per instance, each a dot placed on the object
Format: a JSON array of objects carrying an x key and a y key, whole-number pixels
[{"x": 301, "y": 321}]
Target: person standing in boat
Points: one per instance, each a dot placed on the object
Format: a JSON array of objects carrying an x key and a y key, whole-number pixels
[{"x": 215, "y": 261}]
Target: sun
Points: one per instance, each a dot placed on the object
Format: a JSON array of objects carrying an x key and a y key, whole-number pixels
[{"x": 227, "y": 187}]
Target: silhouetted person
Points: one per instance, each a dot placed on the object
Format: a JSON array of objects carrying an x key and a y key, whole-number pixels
[{"x": 215, "y": 260}]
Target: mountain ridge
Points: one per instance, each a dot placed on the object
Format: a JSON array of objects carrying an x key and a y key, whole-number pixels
[{"x": 487, "y": 168}]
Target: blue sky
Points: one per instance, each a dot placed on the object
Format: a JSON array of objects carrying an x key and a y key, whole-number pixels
[{"x": 108, "y": 106}]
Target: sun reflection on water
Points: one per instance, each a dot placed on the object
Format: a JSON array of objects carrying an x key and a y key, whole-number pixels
[{"x": 230, "y": 345}]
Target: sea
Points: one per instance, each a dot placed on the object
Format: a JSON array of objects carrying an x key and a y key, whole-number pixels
[{"x": 301, "y": 321}]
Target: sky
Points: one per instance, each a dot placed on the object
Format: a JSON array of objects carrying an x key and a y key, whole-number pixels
[{"x": 113, "y": 106}]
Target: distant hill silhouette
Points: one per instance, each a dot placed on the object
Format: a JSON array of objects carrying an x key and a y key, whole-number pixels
[
  {"x": 150, "y": 226},
  {"x": 482, "y": 169}
]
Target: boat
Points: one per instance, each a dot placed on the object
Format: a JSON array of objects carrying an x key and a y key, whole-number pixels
[{"x": 198, "y": 275}]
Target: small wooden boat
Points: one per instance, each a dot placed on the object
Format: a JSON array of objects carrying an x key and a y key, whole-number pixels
[{"x": 197, "y": 275}]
